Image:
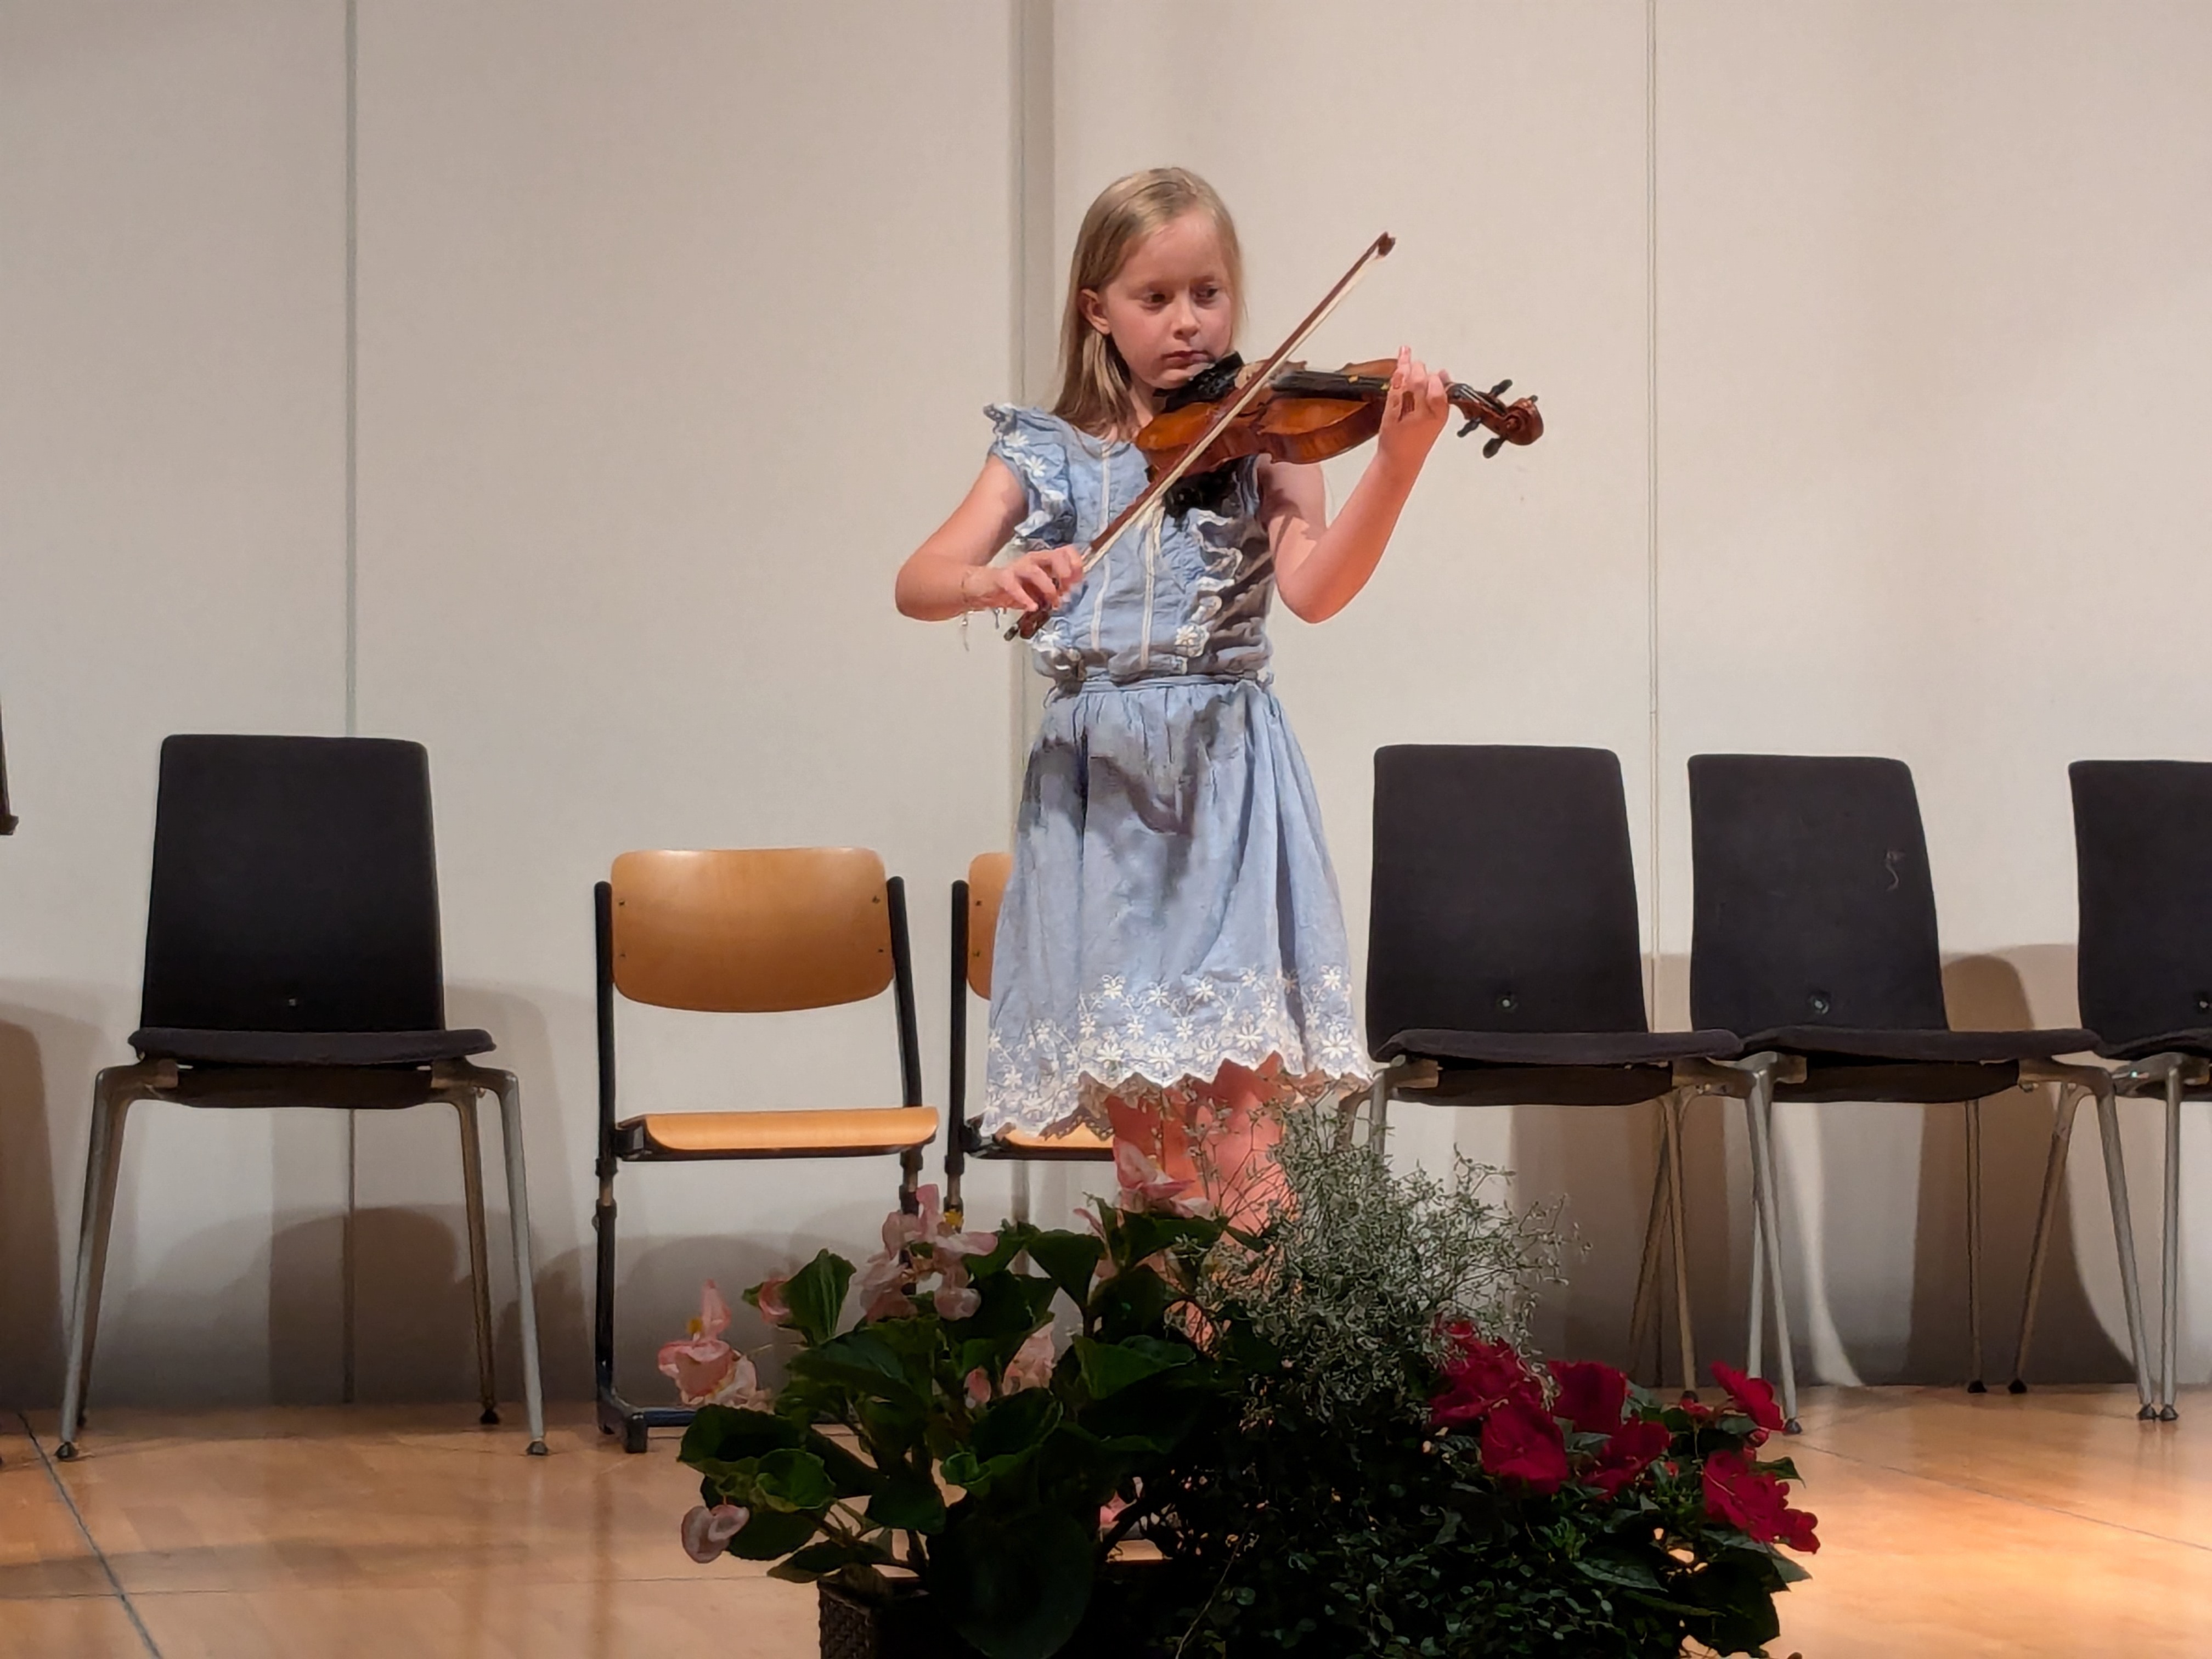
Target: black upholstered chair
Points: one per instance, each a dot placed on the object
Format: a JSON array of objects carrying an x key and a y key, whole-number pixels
[
  {"x": 1505, "y": 966},
  {"x": 745, "y": 931},
  {"x": 2143, "y": 847},
  {"x": 1814, "y": 939},
  {"x": 975, "y": 903},
  {"x": 292, "y": 959}
]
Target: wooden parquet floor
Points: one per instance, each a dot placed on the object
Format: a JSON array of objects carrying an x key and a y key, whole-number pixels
[{"x": 2053, "y": 1524}]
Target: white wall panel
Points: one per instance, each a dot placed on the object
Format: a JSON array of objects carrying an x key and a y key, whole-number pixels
[
  {"x": 676, "y": 321},
  {"x": 1935, "y": 363},
  {"x": 172, "y": 558}
]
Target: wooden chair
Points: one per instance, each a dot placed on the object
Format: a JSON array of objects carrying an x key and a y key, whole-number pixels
[
  {"x": 746, "y": 931},
  {"x": 974, "y": 936}
]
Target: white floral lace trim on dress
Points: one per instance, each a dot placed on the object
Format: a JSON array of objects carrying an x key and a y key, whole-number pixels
[{"x": 1152, "y": 1042}]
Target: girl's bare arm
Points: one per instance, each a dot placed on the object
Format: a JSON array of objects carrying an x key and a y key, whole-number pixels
[
  {"x": 951, "y": 573},
  {"x": 1320, "y": 565}
]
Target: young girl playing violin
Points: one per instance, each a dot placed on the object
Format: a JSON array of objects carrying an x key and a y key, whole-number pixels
[{"x": 1170, "y": 961}]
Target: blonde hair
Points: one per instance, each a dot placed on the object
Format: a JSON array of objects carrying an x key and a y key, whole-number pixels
[{"x": 1094, "y": 381}]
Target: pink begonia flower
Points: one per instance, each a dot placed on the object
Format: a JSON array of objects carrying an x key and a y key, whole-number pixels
[
  {"x": 1111, "y": 1511},
  {"x": 978, "y": 1385},
  {"x": 706, "y": 1532},
  {"x": 1146, "y": 1188},
  {"x": 770, "y": 1299},
  {"x": 884, "y": 1282},
  {"x": 1031, "y": 1365},
  {"x": 702, "y": 1363},
  {"x": 957, "y": 1303}
]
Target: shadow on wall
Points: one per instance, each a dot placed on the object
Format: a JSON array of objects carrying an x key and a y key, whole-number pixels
[
  {"x": 40, "y": 1050},
  {"x": 1887, "y": 1244}
]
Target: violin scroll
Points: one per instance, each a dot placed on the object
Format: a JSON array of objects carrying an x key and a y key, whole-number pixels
[{"x": 1516, "y": 423}]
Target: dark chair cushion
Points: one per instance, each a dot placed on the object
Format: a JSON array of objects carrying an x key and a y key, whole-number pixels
[
  {"x": 1545, "y": 1086},
  {"x": 306, "y": 1048},
  {"x": 1942, "y": 1048},
  {"x": 1561, "y": 1048},
  {"x": 1848, "y": 1078},
  {"x": 2197, "y": 1041}
]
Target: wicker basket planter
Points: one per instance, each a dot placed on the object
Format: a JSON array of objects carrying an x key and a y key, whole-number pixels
[{"x": 908, "y": 1627}]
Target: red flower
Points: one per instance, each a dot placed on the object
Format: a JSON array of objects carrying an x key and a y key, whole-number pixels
[
  {"x": 1699, "y": 1413},
  {"x": 1631, "y": 1450},
  {"x": 1521, "y": 1442},
  {"x": 1754, "y": 1396},
  {"x": 1755, "y": 1502},
  {"x": 1591, "y": 1395},
  {"x": 1485, "y": 1374}
]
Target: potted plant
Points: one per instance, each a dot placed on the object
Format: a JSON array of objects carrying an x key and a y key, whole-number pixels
[{"x": 1326, "y": 1428}]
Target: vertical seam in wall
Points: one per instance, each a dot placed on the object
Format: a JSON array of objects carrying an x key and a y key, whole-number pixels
[
  {"x": 1652, "y": 466},
  {"x": 1032, "y": 142},
  {"x": 352, "y": 613}
]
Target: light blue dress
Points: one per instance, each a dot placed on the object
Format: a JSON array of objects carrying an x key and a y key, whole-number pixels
[{"x": 1171, "y": 905}]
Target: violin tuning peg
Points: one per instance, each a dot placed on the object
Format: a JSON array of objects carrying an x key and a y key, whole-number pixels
[
  {"x": 1501, "y": 388},
  {"x": 1469, "y": 428},
  {"x": 1491, "y": 449}
]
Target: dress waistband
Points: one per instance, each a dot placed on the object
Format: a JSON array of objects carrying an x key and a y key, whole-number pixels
[{"x": 1099, "y": 680}]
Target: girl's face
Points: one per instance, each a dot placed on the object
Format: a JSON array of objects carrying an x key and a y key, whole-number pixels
[{"x": 1168, "y": 308}]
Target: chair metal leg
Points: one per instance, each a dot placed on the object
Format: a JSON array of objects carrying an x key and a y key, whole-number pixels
[
  {"x": 1021, "y": 1193},
  {"x": 1671, "y": 1109},
  {"x": 1974, "y": 1382},
  {"x": 102, "y": 1165},
  {"x": 479, "y": 1266},
  {"x": 526, "y": 1277},
  {"x": 2054, "y": 1183},
  {"x": 2124, "y": 1239},
  {"x": 1642, "y": 1311},
  {"x": 2169, "y": 1312},
  {"x": 1766, "y": 1201},
  {"x": 1754, "y": 1360}
]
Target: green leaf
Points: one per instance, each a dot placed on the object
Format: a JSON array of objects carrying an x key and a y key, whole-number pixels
[
  {"x": 1132, "y": 1302},
  {"x": 831, "y": 1555},
  {"x": 1070, "y": 1260},
  {"x": 771, "y": 1534},
  {"x": 908, "y": 1501},
  {"x": 816, "y": 1296},
  {"x": 854, "y": 1476},
  {"x": 1781, "y": 1469},
  {"x": 1016, "y": 1424},
  {"x": 1110, "y": 1367},
  {"x": 865, "y": 1363},
  {"x": 1015, "y": 1587},
  {"x": 795, "y": 1479},
  {"x": 1143, "y": 1235},
  {"x": 1628, "y": 1573},
  {"x": 1010, "y": 1307},
  {"x": 723, "y": 1434}
]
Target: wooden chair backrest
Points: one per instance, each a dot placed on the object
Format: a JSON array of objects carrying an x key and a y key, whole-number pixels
[
  {"x": 752, "y": 930},
  {"x": 986, "y": 887}
]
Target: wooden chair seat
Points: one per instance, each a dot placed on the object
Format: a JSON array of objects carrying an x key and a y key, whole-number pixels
[
  {"x": 1080, "y": 1145},
  {"x": 833, "y": 1132}
]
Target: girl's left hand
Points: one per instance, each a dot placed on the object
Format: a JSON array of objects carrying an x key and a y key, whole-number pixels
[{"x": 1418, "y": 406}]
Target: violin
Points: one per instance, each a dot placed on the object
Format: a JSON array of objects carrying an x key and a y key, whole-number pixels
[
  {"x": 1284, "y": 410},
  {"x": 1304, "y": 417}
]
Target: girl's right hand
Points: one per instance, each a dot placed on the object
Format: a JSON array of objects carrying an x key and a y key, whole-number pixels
[{"x": 1035, "y": 581}]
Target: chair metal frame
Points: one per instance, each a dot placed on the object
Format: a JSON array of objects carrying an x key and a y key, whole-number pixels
[
  {"x": 1589, "y": 787},
  {"x": 965, "y": 1139},
  {"x": 457, "y": 1083},
  {"x": 1779, "y": 1066},
  {"x": 617, "y": 1414}
]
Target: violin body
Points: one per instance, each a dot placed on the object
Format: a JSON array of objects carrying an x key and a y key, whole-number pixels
[{"x": 1304, "y": 417}]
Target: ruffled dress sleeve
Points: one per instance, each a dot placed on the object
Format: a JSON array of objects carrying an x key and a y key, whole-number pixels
[{"x": 1035, "y": 445}]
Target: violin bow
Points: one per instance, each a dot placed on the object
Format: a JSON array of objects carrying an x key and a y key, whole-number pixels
[{"x": 1379, "y": 248}]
